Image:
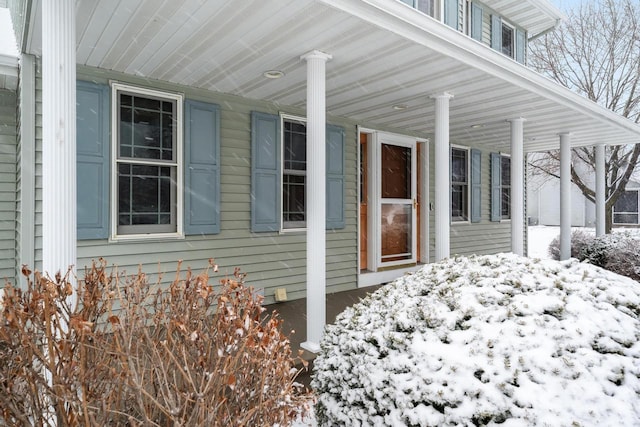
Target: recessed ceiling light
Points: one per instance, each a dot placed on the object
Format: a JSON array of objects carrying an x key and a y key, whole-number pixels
[
  {"x": 273, "y": 74},
  {"x": 400, "y": 107},
  {"x": 477, "y": 126}
]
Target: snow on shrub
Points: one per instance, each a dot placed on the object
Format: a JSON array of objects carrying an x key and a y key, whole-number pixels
[
  {"x": 483, "y": 341},
  {"x": 618, "y": 252}
]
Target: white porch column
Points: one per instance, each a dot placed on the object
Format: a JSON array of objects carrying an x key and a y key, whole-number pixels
[
  {"x": 601, "y": 191},
  {"x": 316, "y": 198},
  {"x": 565, "y": 196},
  {"x": 442, "y": 212},
  {"x": 58, "y": 135},
  {"x": 517, "y": 186}
]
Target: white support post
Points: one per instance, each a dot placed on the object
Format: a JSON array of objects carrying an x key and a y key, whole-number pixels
[
  {"x": 517, "y": 186},
  {"x": 59, "y": 136},
  {"x": 601, "y": 191},
  {"x": 316, "y": 198},
  {"x": 424, "y": 202},
  {"x": 565, "y": 196},
  {"x": 442, "y": 161}
]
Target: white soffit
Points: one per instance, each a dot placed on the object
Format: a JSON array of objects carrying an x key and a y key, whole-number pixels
[
  {"x": 8, "y": 52},
  {"x": 536, "y": 16},
  {"x": 384, "y": 54}
]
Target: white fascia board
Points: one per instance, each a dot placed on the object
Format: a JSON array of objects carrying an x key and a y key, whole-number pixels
[
  {"x": 421, "y": 29},
  {"x": 8, "y": 65}
]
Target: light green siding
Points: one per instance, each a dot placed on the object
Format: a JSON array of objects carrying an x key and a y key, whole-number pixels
[
  {"x": 482, "y": 238},
  {"x": 7, "y": 185},
  {"x": 270, "y": 259}
]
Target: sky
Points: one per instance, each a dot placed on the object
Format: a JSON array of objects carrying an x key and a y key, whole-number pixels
[{"x": 566, "y": 4}]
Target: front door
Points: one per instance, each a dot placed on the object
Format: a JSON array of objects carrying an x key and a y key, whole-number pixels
[{"x": 397, "y": 202}]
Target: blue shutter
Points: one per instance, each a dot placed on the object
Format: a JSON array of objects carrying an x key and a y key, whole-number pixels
[
  {"x": 335, "y": 177},
  {"x": 451, "y": 9},
  {"x": 265, "y": 172},
  {"x": 476, "y": 21},
  {"x": 496, "y": 32},
  {"x": 92, "y": 160},
  {"x": 496, "y": 187},
  {"x": 520, "y": 46},
  {"x": 202, "y": 168},
  {"x": 476, "y": 185}
]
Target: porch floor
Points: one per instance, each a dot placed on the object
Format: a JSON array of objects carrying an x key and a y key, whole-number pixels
[{"x": 294, "y": 316}]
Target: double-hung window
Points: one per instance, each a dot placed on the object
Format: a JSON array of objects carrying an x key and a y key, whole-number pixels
[
  {"x": 459, "y": 184},
  {"x": 625, "y": 210},
  {"x": 505, "y": 178},
  {"x": 427, "y": 7},
  {"x": 147, "y": 178},
  {"x": 294, "y": 172},
  {"x": 508, "y": 40}
]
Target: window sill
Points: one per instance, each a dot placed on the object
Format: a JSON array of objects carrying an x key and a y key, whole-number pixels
[{"x": 132, "y": 238}]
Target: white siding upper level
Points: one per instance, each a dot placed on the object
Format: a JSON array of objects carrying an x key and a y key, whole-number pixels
[{"x": 505, "y": 25}]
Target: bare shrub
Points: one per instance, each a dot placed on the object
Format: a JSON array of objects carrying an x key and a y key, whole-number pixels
[
  {"x": 579, "y": 240},
  {"x": 131, "y": 353}
]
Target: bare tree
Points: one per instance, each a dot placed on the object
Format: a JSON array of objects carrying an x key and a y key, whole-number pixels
[{"x": 596, "y": 53}]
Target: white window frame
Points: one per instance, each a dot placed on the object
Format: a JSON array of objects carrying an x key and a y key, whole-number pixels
[
  {"x": 513, "y": 39},
  {"x": 613, "y": 210},
  {"x": 298, "y": 228},
  {"x": 116, "y": 89},
  {"x": 437, "y": 8},
  {"x": 468, "y": 172}
]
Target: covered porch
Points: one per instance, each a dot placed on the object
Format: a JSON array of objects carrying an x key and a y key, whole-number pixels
[{"x": 377, "y": 63}]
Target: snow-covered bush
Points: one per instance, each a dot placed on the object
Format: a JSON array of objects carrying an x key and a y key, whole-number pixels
[
  {"x": 485, "y": 341},
  {"x": 579, "y": 239},
  {"x": 618, "y": 252}
]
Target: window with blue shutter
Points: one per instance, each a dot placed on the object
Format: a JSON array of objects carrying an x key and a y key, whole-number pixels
[
  {"x": 92, "y": 160},
  {"x": 277, "y": 190},
  {"x": 202, "y": 168},
  {"x": 476, "y": 185},
  {"x": 476, "y": 22},
  {"x": 496, "y": 187},
  {"x": 265, "y": 172},
  {"x": 451, "y": 11}
]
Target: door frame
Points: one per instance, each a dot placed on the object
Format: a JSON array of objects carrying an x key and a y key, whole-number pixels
[{"x": 376, "y": 275}]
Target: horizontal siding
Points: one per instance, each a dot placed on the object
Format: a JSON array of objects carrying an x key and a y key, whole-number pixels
[
  {"x": 270, "y": 260},
  {"x": 8, "y": 149},
  {"x": 481, "y": 238}
]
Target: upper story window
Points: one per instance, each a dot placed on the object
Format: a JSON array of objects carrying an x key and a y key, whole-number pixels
[
  {"x": 508, "y": 38},
  {"x": 147, "y": 133},
  {"x": 459, "y": 184},
  {"x": 427, "y": 7}
]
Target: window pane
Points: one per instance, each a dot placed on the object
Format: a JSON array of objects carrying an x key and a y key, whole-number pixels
[
  {"x": 625, "y": 218},
  {"x": 396, "y": 172},
  {"x": 459, "y": 202},
  {"x": 507, "y": 40},
  {"x": 146, "y": 128},
  {"x": 295, "y": 146},
  {"x": 458, "y": 165},
  {"x": 396, "y": 233},
  {"x": 627, "y": 202},
  {"x": 293, "y": 191},
  {"x": 145, "y": 194},
  {"x": 506, "y": 202},
  {"x": 506, "y": 170}
]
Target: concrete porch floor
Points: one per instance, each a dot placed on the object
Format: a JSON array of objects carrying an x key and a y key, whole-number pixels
[{"x": 294, "y": 317}]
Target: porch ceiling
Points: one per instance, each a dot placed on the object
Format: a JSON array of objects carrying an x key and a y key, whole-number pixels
[{"x": 384, "y": 54}]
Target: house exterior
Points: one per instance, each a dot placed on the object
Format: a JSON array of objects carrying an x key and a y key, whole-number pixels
[{"x": 319, "y": 145}]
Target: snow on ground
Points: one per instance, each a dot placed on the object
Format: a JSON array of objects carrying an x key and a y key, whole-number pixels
[{"x": 495, "y": 338}]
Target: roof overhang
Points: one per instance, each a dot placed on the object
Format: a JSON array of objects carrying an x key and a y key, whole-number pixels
[
  {"x": 535, "y": 16},
  {"x": 8, "y": 52},
  {"x": 385, "y": 54}
]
